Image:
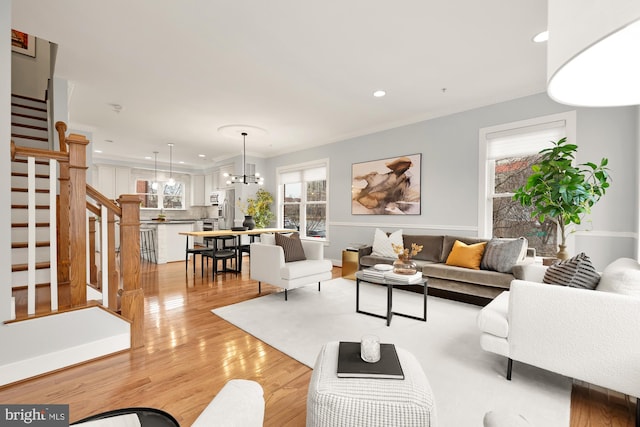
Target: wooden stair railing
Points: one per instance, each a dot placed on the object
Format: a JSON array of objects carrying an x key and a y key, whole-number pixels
[{"x": 72, "y": 236}]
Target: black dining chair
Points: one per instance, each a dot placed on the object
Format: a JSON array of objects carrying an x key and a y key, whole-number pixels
[{"x": 224, "y": 249}]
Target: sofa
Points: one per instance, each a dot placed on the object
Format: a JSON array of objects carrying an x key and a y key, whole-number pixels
[
  {"x": 587, "y": 334},
  {"x": 475, "y": 286}
]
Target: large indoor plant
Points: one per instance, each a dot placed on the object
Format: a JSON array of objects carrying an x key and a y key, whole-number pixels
[
  {"x": 259, "y": 207},
  {"x": 561, "y": 191}
]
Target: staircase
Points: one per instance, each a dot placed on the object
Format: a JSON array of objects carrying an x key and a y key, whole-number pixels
[{"x": 54, "y": 323}]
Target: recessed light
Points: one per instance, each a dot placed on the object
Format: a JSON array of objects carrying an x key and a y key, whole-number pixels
[
  {"x": 202, "y": 156},
  {"x": 379, "y": 93},
  {"x": 181, "y": 162},
  {"x": 541, "y": 37},
  {"x": 97, "y": 151},
  {"x": 147, "y": 157}
]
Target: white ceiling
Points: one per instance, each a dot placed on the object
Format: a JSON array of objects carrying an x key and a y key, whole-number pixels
[{"x": 304, "y": 71}]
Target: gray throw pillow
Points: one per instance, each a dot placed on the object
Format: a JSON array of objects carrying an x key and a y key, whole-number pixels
[
  {"x": 576, "y": 272},
  {"x": 502, "y": 254},
  {"x": 292, "y": 247}
]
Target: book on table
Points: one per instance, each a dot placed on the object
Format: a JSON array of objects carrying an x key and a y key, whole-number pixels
[
  {"x": 372, "y": 273},
  {"x": 351, "y": 365}
]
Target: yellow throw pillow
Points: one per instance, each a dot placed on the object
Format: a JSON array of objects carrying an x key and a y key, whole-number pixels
[{"x": 467, "y": 256}]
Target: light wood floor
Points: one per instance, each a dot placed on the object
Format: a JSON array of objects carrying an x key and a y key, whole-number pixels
[{"x": 190, "y": 354}]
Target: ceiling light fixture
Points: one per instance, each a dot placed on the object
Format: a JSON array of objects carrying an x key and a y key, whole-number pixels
[
  {"x": 379, "y": 93},
  {"x": 249, "y": 174},
  {"x": 154, "y": 184},
  {"x": 592, "y": 55},
  {"x": 172, "y": 181}
]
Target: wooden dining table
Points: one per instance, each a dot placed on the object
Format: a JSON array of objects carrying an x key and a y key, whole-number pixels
[{"x": 236, "y": 234}]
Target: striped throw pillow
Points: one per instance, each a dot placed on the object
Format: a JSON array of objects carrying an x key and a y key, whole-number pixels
[
  {"x": 576, "y": 272},
  {"x": 292, "y": 247}
]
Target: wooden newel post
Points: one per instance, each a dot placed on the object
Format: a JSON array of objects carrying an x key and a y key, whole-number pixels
[
  {"x": 132, "y": 298},
  {"x": 78, "y": 218}
]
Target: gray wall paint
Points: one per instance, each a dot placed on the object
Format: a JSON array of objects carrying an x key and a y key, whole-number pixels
[{"x": 449, "y": 147}]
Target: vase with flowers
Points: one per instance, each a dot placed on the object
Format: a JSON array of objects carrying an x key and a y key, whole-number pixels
[{"x": 404, "y": 264}]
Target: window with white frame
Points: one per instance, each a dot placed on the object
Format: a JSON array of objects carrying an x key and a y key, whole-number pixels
[
  {"x": 302, "y": 198},
  {"x": 507, "y": 154},
  {"x": 160, "y": 195}
]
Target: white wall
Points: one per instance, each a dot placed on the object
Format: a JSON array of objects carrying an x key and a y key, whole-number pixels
[
  {"x": 32, "y": 81},
  {"x": 449, "y": 147},
  {"x": 5, "y": 159}
]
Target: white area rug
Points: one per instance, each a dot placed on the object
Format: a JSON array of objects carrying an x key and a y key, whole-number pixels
[{"x": 467, "y": 382}]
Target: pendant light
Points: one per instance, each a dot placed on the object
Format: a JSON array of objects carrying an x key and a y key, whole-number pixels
[
  {"x": 252, "y": 177},
  {"x": 154, "y": 184},
  {"x": 172, "y": 181}
]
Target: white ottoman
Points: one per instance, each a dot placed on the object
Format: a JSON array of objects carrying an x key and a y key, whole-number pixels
[{"x": 357, "y": 402}]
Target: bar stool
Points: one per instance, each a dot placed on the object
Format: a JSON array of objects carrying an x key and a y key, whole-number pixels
[
  {"x": 221, "y": 251},
  {"x": 148, "y": 244}
]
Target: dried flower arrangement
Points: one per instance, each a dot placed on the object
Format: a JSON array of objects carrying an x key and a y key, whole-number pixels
[{"x": 405, "y": 253}]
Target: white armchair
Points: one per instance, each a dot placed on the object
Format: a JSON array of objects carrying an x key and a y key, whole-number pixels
[
  {"x": 590, "y": 335},
  {"x": 268, "y": 265}
]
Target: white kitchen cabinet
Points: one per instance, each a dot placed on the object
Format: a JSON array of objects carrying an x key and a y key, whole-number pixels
[
  {"x": 208, "y": 188},
  {"x": 198, "y": 190},
  {"x": 114, "y": 181}
]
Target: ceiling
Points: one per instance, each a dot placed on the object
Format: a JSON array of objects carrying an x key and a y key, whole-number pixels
[{"x": 303, "y": 71}]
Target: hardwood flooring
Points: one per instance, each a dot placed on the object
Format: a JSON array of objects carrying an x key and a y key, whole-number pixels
[{"x": 190, "y": 354}]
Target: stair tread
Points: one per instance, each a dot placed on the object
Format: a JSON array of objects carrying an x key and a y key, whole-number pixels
[
  {"x": 27, "y": 206},
  {"x": 38, "y": 162},
  {"x": 20, "y": 245},
  {"x": 22, "y": 125},
  {"x": 29, "y": 107},
  {"x": 34, "y": 138},
  {"x": 24, "y": 190},
  {"x": 26, "y": 175},
  {"x": 41, "y": 101},
  {"x": 27, "y": 116},
  {"x": 25, "y": 267},
  {"x": 25, "y": 224}
]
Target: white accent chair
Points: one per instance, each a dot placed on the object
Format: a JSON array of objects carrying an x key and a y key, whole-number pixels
[
  {"x": 267, "y": 265},
  {"x": 589, "y": 335}
]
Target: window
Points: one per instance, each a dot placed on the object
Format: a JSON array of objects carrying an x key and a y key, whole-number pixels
[
  {"x": 164, "y": 196},
  {"x": 507, "y": 154},
  {"x": 302, "y": 199}
]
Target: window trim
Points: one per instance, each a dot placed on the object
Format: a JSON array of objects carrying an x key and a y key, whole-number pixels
[
  {"x": 303, "y": 202},
  {"x": 485, "y": 178},
  {"x": 160, "y": 194}
]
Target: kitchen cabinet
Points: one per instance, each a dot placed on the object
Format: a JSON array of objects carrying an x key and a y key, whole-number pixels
[
  {"x": 198, "y": 190},
  {"x": 114, "y": 181}
]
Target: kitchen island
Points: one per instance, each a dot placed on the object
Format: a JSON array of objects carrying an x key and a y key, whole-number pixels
[{"x": 169, "y": 243}]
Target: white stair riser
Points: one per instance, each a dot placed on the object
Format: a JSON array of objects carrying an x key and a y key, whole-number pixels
[
  {"x": 23, "y": 181},
  {"x": 29, "y": 131},
  {"x": 22, "y": 168},
  {"x": 28, "y": 111},
  {"x": 29, "y": 121},
  {"x": 28, "y": 102},
  {"x": 19, "y": 234},
  {"x": 21, "y": 198},
  {"x": 21, "y": 215},
  {"x": 21, "y": 255},
  {"x": 30, "y": 143},
  {"x": 21, "y": 278}
]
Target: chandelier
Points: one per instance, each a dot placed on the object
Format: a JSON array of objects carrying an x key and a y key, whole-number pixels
[{"x": 249, "y": 174}]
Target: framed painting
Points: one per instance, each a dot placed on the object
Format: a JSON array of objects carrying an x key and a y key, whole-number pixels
[
  {"x": 23, "y": 43},
  {"x": 386, "y": 187}
]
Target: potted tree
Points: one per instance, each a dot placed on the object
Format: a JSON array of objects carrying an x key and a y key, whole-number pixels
[
  {"x": 259, "y": 208},
  {"x": 561, "y": 191}
]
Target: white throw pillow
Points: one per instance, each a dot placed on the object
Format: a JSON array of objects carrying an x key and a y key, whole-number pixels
[
  {"x": 622, "y": 276},
  {"x": 382, "y": 243}
]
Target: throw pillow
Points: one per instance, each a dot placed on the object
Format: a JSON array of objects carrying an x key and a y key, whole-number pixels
[
  {"x": 467, "y": 256},
  {"x": 502, "y": 254},
  {"x": 382, "y": 243},
  {"x": 622, "y": 276},
  {"x": 292, "y": 247},
  {"x": 576, "y": 272}
]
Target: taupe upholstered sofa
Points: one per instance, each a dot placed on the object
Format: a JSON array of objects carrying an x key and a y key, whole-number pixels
[{"x": 477, "y": 286}]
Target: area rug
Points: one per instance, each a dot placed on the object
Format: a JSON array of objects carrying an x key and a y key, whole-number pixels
[{"x": 467, "y": 382}]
